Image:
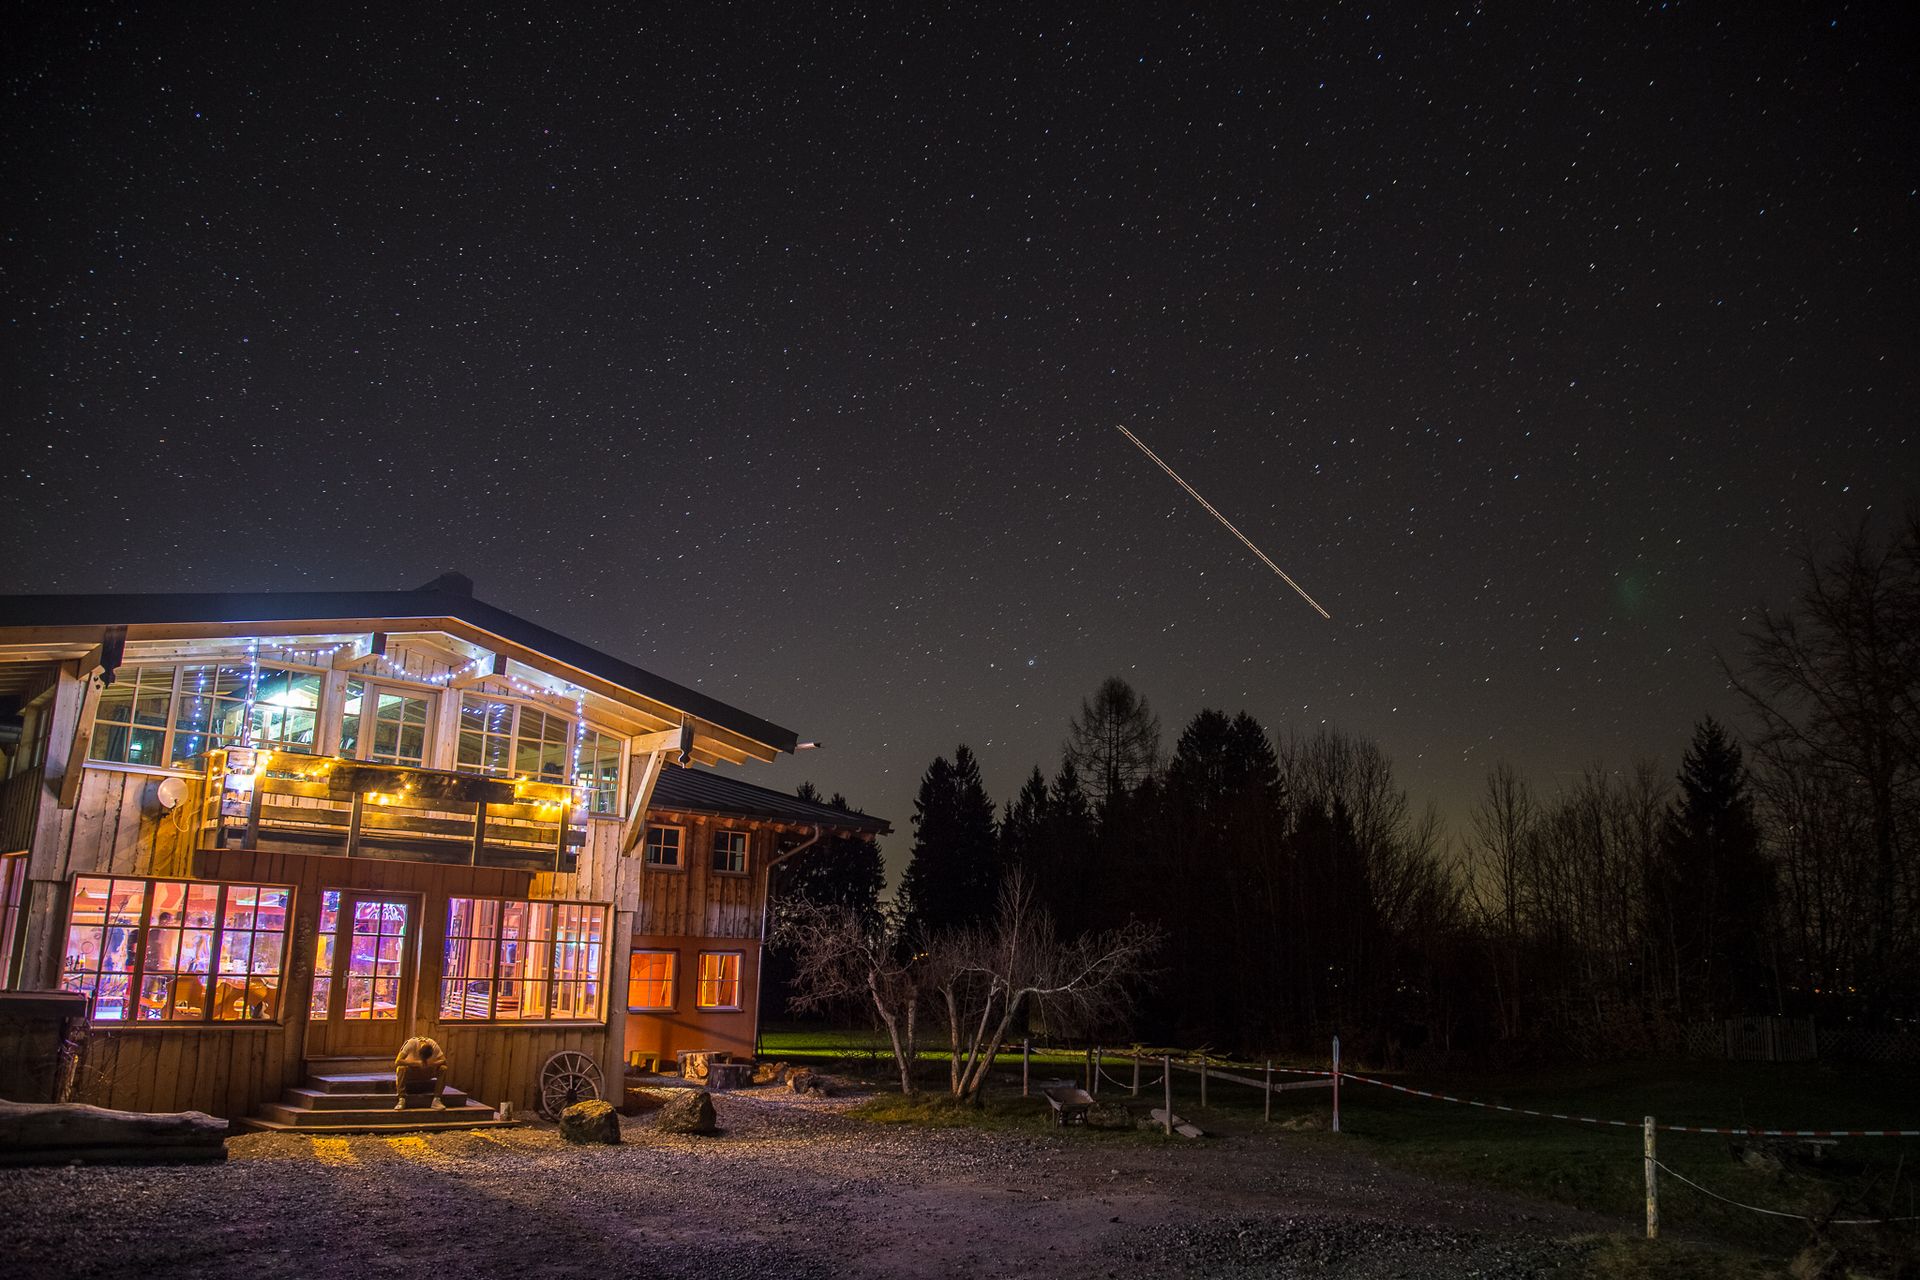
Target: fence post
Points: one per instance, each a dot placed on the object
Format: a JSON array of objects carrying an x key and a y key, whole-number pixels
[
  {"x": 1203, "y": 1082},
  {"x": 1026, "y": 1062},
  {"x": 1269, "y": 1115},
  {"x": 1166, "y": 1066},
  {"x": 1336, "y": 1084},
  {"x": 1136, "y": 1071},
  {"x": 1094, "y": 1087},
  {"x": 1653, "y": 1187},
  {"x": 1089, "y": 1065}
]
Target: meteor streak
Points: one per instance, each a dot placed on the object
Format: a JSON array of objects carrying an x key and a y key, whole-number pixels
[{"x": 1195, "y": 494}]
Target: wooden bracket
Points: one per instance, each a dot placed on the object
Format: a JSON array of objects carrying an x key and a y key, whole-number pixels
[{"x": 636, "y": 824}]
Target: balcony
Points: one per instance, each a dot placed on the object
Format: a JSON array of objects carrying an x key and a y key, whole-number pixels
[{"x": 283, "y": 802}]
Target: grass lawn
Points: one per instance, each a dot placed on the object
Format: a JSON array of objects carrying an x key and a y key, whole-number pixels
[{"x": 1595, "y": 1168}]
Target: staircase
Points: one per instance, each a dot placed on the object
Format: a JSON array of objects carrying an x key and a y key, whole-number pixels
[{"x": 355, "y": 1095}]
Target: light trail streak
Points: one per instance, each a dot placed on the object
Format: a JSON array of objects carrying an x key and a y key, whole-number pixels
[{"x": 1214, "y": 512}]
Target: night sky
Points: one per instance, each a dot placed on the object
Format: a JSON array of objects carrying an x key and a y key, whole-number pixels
[{"x": 781, "y": 351}]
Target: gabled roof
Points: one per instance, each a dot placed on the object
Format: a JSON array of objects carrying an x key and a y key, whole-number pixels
[
  {"x": 82, "y": 618},
  {"x": 704, "y": 792}
]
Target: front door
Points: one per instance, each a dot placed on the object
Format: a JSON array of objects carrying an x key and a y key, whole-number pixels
[{"x": 363, "y": 974}]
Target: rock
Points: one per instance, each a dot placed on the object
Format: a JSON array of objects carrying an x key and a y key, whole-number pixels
[
  {"x": 63, "y": 1132},
  {"x": 638, "y": 1101},
  {"x": 589, "y": 1122},
  {"x": 689, "y": 1111},
  {"x": 1762, "y": 1158},
  {"x": 1110, "y": 1115}
]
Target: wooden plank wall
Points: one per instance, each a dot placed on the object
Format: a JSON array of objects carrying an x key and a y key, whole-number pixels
[{"x": 695, "y": 900}]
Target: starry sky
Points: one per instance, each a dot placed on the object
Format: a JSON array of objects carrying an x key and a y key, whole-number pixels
[{"x": 780, "y": 349}]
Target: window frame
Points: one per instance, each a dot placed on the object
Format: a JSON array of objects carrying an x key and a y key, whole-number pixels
[
  {"x": 13, "y": 897},
  {"x": 746, "y": 851},
  {"x": 521, "y": 705},
  {"x": 614, "y": 789},
  {"x": 218, "y": 934},
  {"x": 547, "y": 979},
  {"x": 679, "y": 862},
  {"x": 671, "y": 981},
  {"x": 171, "y": 732},
  {"x": 372, "y": 688},
  {"x": 739, "y": 979}
]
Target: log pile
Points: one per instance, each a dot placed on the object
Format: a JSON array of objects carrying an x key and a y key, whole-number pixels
[{"x": 63, "y": 1132}]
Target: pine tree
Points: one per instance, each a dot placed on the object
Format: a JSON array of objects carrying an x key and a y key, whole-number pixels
[
  {"x": 952, "y": 876},
  {"x": 1716, "y": 888}
]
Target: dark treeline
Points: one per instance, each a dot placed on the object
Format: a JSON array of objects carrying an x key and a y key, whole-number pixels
[{"x": 1302, "y": 893}]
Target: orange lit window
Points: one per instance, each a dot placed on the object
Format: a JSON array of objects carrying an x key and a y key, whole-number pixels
[
  {"x": 175, "y": 950},
  {"x": 650, "y": 980},
  {"x": 719, "y": 980},
  {"x": 518, "y": 961}
]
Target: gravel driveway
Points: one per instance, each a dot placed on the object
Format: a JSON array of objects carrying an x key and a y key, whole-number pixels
[{"x": 791, "y": 1188}]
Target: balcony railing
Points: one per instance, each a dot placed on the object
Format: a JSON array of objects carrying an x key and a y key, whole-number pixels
[{"x": 283, "y": 802}]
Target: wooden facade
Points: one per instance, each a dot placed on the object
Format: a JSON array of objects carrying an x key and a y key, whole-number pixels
[{"x": 73, "y": 818}]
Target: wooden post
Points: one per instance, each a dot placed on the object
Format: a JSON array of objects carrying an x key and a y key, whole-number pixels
[
  {"x": 1136, "y": 1073},
  {"x": 1093, "y": 1086},
  {"x": 1653, "y": 1187},
  {"x": 1203, "y": 1082},
  {"x": 1269, "y": 1115},
  {"x": 1166, "y": 1065},
  {"x": 1336, "y": 1084},
  {"x": 1089, "y": 1062},
  {"x": 1026, "y": 1066}
]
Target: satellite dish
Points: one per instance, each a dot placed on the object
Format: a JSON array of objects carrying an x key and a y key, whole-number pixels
[{"x": 172, "y": 793}]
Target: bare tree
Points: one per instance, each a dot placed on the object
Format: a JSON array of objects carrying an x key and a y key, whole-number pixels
[
  {"x": 842, "y": 959},
  {"x": 1114, "y": 742},
  {"x": 988, "y": 975}
]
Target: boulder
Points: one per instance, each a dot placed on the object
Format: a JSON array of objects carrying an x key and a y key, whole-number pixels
[
  {"x": 688, "y": 1111},
  {"x": 589, "y": 1122},
  {"x": 1110, "y": 1115},
  {"x": 61, "y": 1132}
]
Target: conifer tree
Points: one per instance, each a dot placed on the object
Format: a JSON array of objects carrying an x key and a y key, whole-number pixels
[{"x": 952, "y": 876}]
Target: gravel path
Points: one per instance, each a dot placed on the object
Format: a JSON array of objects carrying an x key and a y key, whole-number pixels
[{"x": 791, "y": 1188}]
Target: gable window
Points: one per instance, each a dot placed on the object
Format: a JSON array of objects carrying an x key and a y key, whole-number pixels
[
  {"x": 650, "y": 981},
  {"x": 663, "y": 846},
  {"x": 176, "y": 950},
  {"x": 600, "y": 771},
  {"x": 501, "y": 736},
  {"x": 165, "y": 716},
  {"x": 518, "y": 961},
  {"x": 383, "y": 724},
  {"x": 730, "y": 852},
  {"x": 719, "y": 986}
]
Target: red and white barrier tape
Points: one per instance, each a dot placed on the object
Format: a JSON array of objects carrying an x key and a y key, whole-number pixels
[{"x": 1635, "y": 1124}]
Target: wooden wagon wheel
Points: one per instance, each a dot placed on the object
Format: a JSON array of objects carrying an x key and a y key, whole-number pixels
[{"x": 568, "y": 1077}]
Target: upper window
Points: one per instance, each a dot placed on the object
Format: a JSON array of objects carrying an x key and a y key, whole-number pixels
[
  {"x": 176, "y": 950},
  {"x": 600, "y": 770},
  {"x": 500, "y": 736},
  {"x": 383, "y": 724},
  {"x": 663, "y": 846},
  {"x": 730, "y": 852},
  {"x": 719, "y": 986},
  {"x": 650, "y": 981},
  {"x": 522, "y": 961},
  {"x": 165, "y": 716}
]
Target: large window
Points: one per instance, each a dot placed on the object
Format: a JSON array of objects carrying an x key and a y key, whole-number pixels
[
  {"x": 663, "y": 846},
  {"x": 500, "y": 736},
  {"x": 177, "y": 950},
  {"x": 730, "y": 852},
  {"x": 650, "y": 981},
  {"x": 165, "y": 716},
  {"x": 13, "y": 884},
  {"x": 519, "y": 961},
  {"x": 600, "y": 770},
  {"x": 719, "y": 986},
  {"x": 384, "y": 725}
]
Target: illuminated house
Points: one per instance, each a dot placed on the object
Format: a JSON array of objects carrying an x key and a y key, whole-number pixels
[{"x": 269, "y": 837}]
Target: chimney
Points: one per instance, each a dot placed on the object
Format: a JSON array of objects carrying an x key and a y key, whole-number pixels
[{"x": 451, "y": 583}]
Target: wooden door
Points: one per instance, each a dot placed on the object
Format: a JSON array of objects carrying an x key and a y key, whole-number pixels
[{"x": 366, "y": 953}]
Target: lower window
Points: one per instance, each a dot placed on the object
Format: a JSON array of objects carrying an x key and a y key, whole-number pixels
[
  {"x": 719, "y": 986},
  {"x": 517, "y": 961},
  {"x": 650, "y": 981},
  {"x": 176, "y": 950}
]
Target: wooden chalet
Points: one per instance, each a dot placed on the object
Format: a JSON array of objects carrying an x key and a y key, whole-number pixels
[{"x": 270, "y": 837}]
